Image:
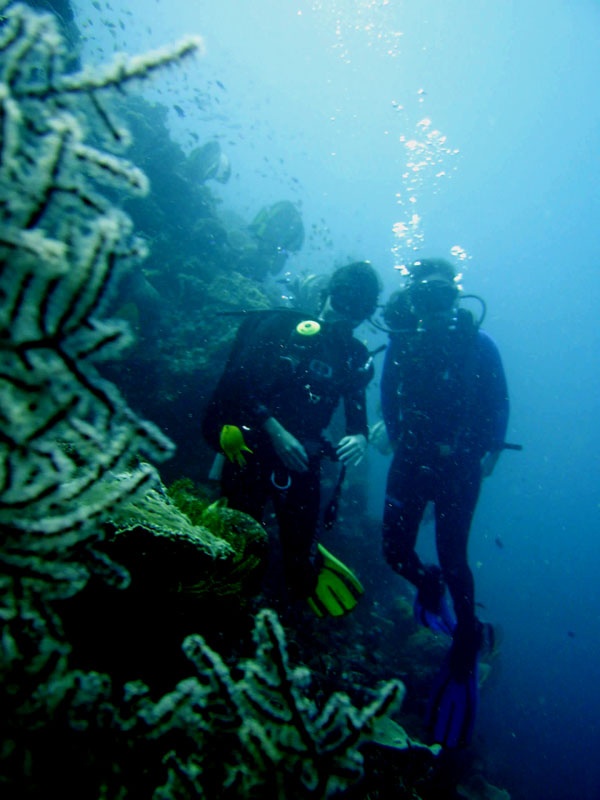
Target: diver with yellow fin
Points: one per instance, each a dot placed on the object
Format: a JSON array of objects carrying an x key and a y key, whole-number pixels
[{"x": 284, "y": 378}]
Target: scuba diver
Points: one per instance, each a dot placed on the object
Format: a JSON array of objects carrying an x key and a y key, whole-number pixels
[
  {"x": 444, "y": 402},
  {"x": 283, "y": 381},
  {"x": 263, "y": 247},
  {"x": 209, "y": 162},
  {"x": 277, "y": 231}
]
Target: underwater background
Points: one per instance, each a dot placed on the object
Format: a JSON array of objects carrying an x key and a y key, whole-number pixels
[{"x": 468, "y": 130}]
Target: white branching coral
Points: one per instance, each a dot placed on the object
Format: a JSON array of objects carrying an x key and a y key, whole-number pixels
[
  {"x": 71, "y": 450},
  {"x": 63, "y": 431},
  {"x": 260, "y": 734}
]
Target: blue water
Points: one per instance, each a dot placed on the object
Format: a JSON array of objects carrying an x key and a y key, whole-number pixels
[{"x": 429, "y": 127}]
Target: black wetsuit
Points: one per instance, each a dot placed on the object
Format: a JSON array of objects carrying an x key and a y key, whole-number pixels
[
  {"x": 299, "y": 380},
  {"x": 445, "y": 405}
]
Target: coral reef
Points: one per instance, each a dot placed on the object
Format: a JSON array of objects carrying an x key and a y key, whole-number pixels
[
  {"x": 260, "y": 735},
  {"x": 95, "y": 559},
  {"x": 75, "y": 459},
  {"x": 61, "y": 246},
  {"x": 67, "y": 439},
  {"x": 218, "y": 555}
]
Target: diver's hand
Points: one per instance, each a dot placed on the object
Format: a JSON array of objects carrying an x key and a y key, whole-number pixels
[
  {"x": 379, "y": 439},
  {"x": 351, "y": 449},
  {"x": 287, "y": 447},
  {"x": 488, "y": 462}
]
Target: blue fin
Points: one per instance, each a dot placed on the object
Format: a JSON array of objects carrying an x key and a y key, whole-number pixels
[
  {"x": 442, "y": 620},
  {"x": 431, "y": 607},
  {"x": 453, "y": 707}
]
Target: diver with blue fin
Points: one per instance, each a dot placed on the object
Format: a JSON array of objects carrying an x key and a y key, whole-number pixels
[
  {"x": 444, "y": 403},
  {"x": 285, "y": 377}
]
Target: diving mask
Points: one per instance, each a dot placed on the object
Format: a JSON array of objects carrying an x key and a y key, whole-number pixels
[{"x": 433, "y": 296}]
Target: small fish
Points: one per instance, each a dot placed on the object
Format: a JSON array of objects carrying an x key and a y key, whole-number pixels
[
  {"x": 498, "y": 542},
  {"x": 220, "y": 85},
  {"x": 571, "y": 634},
  {"x": 179, "y": 110}
]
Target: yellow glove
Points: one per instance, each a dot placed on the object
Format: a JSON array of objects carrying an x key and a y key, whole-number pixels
[{"x": 233, "y": 444}]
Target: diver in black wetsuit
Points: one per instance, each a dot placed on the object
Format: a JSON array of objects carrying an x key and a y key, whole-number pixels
[
  {"x": 444, "y": 403},
  {"x": 280, "y": 388}
]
